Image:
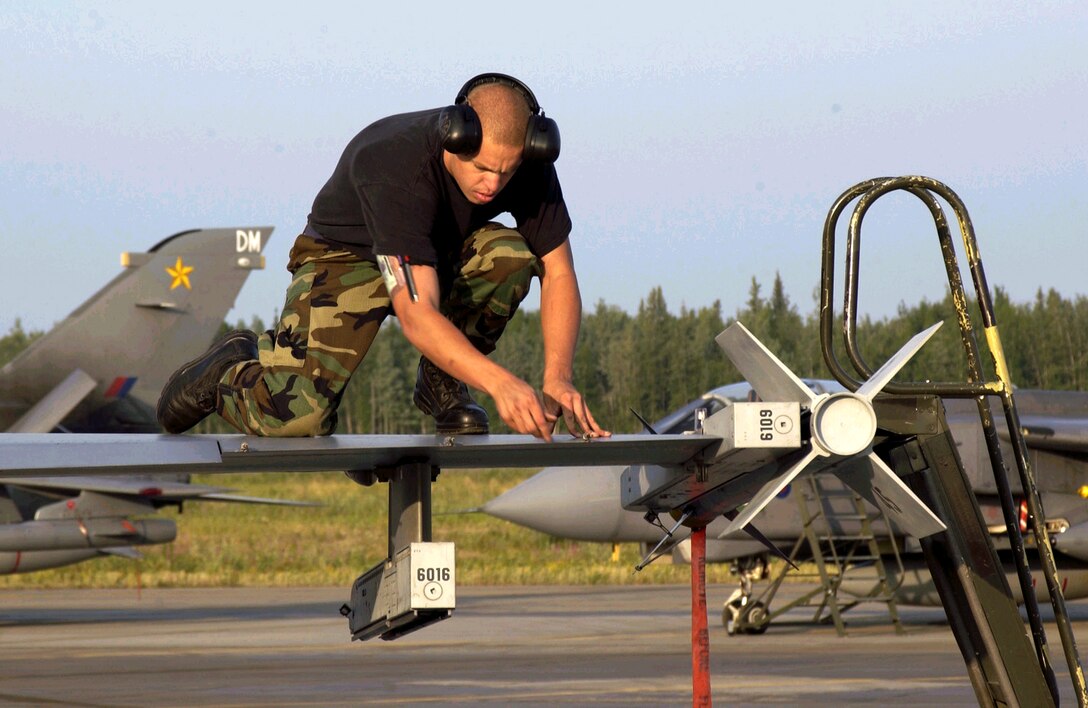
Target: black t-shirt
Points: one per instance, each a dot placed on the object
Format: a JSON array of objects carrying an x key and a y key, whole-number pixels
[{"x": 390, "y": 194}]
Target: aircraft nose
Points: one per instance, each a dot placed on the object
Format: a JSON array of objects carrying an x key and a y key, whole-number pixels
[{"x": 571, "y": 502}]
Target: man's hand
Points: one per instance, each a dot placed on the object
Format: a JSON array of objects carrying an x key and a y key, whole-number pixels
[
  {"x": 519, "y": 405},
  {"x": 562, "y": 399}
]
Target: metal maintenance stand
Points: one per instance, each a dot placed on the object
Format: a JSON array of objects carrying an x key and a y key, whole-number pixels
[{"x": 962, "y": 561}]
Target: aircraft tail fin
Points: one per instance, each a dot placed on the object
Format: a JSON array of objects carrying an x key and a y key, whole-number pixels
[{"x": 162, "y": 310}]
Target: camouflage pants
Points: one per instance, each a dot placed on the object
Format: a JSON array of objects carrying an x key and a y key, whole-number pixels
[{"x": 335, "y": 305}]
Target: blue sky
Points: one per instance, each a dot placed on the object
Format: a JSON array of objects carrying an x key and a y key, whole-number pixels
[{"x": 703, "y": 143}]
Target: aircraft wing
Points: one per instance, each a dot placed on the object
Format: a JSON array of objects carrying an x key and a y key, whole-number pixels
[
  {"x": 40, "y": 455},
  {"x": 245, "y": 499},
  {"x": 151, "y": 490},
  {"x": 1053, "y": 433}
]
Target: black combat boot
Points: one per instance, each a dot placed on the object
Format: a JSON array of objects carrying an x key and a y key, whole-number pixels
[
  {"x": 440, "y": 395},
  {"x": 190, "y": 394}
]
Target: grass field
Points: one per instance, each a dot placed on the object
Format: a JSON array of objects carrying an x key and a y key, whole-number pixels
[{"x": 254, "y": 545}]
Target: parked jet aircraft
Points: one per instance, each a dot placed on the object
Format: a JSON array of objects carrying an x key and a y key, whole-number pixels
[
  {"x": 100, "y": 370},
  {"x": 582, "y": 503}
]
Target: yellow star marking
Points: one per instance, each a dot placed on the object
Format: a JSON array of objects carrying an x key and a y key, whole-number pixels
[{"x": 180, "y": 274}]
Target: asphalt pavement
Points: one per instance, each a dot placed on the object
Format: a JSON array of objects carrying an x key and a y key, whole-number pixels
[{"x": 503, "y": 645}]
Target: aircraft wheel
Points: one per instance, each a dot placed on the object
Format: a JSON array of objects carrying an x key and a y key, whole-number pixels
[
  {"x": 730, "y": 616},
  {"x": 755, "y": 619}
]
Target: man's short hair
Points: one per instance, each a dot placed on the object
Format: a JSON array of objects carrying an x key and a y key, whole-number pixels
[{"x": 504, "y": 113}]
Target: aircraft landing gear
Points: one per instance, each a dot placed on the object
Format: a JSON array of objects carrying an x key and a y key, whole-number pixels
[
  {"x": 751, "y": 618},
  {"x": 740, "y": 614}
]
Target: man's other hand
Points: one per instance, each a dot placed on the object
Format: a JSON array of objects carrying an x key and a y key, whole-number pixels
[{"x": 563, "y": 400}]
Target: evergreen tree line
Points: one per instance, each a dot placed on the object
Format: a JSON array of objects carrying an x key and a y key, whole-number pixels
[{"x": 654, "y": 361}]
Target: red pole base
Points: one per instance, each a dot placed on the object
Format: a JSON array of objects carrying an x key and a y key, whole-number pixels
[{"x": 700, "y": 634}]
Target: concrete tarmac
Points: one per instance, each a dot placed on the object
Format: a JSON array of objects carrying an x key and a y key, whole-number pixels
[{"x": 508, "y": 645}]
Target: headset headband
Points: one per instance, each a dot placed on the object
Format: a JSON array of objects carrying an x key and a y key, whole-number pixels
[
  {"x": 459, "y": 126},
  {"x": 495, "y": 78}
]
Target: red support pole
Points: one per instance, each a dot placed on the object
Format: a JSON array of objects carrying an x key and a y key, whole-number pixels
[{"x": 700, "y": 634}]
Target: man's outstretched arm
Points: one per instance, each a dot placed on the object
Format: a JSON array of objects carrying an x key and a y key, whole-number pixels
[
  {"x": 436, "y": 338},
  {"x": 560, "y": 319}
]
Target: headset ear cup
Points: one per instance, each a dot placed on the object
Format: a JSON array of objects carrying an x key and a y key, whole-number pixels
[
  {"x": 459, "y": 128},
  {"x": 541, "y": 140}
]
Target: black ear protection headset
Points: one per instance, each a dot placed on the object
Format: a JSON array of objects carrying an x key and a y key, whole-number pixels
[{"x": 460, "y": 126}]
